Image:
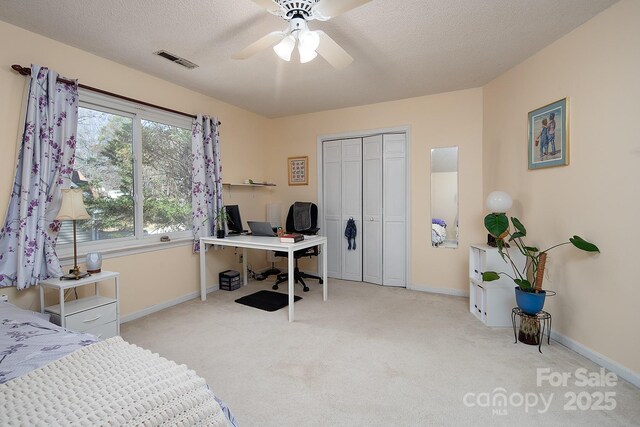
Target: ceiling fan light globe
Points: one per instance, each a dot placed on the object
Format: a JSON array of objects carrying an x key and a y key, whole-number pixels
[
  {"x": 285, "y": 48},
  {"x": 309, "y": 40},
  {"x": 307, "y": 55}
]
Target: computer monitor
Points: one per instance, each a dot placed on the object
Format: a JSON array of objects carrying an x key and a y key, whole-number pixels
[{"x": 234, "y": 222}]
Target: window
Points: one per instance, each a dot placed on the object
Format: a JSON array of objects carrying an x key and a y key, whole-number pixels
[
  {"x": 166, "y": 177},
  {"x": 134, "y": 166}
]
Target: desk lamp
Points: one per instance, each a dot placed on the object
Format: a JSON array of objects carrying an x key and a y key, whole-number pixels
[
  {"x": 72, "y": 208},
  {"x": 498, "y": 202}
]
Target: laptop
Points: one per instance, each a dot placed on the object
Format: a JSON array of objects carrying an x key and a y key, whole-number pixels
[{"x": 261, "y": 228}]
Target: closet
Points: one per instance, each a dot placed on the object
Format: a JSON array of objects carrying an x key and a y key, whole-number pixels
[{"x": 364, "y": 179}]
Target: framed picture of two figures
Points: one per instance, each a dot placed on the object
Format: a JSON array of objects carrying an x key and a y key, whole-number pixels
[{"x": 549, "y": 135}]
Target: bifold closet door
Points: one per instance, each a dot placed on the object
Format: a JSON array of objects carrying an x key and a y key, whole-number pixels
[
  {"x": 351, "y": 201},
  {"x": 332, "y": 205},
  {"x": 372, "y": 209},
  {"x": 365, "y": 179},
  {"x": 394, "y": 215}
]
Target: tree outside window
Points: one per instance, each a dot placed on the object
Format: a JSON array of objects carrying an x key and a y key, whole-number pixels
[{"x": 105, "y": 170}]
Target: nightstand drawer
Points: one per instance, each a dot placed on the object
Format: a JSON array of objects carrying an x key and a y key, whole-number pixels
[
  {"x": 104, "y": 331},
  {"x": 91, "y": 318}
]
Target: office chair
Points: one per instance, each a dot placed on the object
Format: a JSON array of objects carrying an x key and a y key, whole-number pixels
[{"x": 302, "y": 218}]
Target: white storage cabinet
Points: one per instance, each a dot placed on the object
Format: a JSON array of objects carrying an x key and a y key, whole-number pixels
[{"x": 491, "y": 302}]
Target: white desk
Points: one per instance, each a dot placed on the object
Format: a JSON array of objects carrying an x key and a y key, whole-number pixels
[{"x": 267, "y": 244}]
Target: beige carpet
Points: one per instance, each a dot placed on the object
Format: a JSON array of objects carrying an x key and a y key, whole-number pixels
[{"x": 372, "y": 356}]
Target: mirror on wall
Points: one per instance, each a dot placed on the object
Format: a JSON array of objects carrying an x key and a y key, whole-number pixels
[{"x": 444, "y": 197}]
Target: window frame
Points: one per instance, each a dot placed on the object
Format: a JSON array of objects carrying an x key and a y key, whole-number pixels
[{"x": 137, "y": 112}]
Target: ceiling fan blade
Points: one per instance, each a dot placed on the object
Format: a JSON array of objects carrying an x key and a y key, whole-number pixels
[
  {"x": 267, "y": 4},
  {"x": 332, "y": 52},
  {"x": 333, "y": 8},
  {"x": 260, "y": 44}
]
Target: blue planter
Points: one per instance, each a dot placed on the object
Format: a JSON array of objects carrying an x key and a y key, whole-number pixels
[{"x": 529, "y": 302}]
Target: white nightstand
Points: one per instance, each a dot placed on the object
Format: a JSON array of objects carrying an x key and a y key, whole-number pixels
[{"x": 98, "y": 315}]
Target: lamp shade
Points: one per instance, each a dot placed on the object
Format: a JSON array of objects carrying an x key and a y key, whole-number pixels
[
  {"x": 72, "y": 206},
  {"x": 499, "y": 202}
]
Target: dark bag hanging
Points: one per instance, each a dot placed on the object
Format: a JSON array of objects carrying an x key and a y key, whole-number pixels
[{"x": 350, "y": 233}]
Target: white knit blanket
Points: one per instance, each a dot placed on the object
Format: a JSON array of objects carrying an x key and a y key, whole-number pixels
[{"x": 110, "y": 383}]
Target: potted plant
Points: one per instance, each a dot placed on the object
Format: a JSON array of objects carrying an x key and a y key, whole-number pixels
[
  {"x": 529, "y": 293},
  {"x": 221, "y": 218}
]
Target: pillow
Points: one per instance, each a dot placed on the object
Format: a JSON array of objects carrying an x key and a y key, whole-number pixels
[
  {"x": 440, "y": 222},
  {"x": 10, "y": 311}
]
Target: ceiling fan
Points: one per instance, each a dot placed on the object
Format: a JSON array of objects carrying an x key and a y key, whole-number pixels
[{"x": 310, "y": 43}]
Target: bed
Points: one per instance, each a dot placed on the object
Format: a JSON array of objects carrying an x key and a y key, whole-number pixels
[
  {"x": 438, "y": 231},
  {"x": 53, "y": 376}
]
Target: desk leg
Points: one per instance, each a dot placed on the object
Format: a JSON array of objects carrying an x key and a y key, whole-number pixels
[
  {"x": 245, "y": 267},
  {"x": 325, "y": 279},
  {"x": 203, "y": 272},
  {"x": 117, "y": 284},
  {"x": 291, "y": 281},
  {"x": 41, "y": 298}
]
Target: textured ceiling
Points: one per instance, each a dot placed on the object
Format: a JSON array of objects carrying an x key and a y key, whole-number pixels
[{"x": 401, "y": 48}]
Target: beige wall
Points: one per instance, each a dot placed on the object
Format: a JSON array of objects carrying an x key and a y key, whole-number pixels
[
  {"x": 442, "y": 120},
  {"x": 154, "y": 277},
  {"x": 596, "y": 196}
]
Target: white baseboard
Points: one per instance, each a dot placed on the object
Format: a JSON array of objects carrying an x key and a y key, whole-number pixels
[
  {"x": 604, "y": 361},
  {"x": 149, "y": 310},
  {"x": 443, "y": 291}
]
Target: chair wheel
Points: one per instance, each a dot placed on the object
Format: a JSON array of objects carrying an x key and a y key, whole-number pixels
[
  {"x": 274, "y": 287},
  {"x": 321, "y": 281},
  {"x": 306, "y": 289}
]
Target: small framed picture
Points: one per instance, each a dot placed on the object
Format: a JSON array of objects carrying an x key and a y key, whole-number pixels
[
  {"x": 298, "y": 170},
  {"x": 549, "y": 135}
]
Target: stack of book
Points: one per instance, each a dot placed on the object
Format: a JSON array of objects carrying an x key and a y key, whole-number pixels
[{"x": 291, "y": 238}]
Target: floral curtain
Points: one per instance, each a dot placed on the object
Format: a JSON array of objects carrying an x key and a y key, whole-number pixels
[
  {"x": 45, "y": 165},
  {"x": 206, "y": 190}
]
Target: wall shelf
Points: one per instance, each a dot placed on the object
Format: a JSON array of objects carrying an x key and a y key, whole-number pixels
[{"x": 255, "y": 184}]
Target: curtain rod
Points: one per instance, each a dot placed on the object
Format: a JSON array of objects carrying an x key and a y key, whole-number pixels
[{"x": 27, "y": 72}]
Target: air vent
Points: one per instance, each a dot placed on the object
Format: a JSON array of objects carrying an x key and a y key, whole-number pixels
[{"x": 174, "y": 58}]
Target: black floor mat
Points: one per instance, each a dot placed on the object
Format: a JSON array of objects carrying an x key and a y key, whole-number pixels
[{"x": 267, "y": 300}]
